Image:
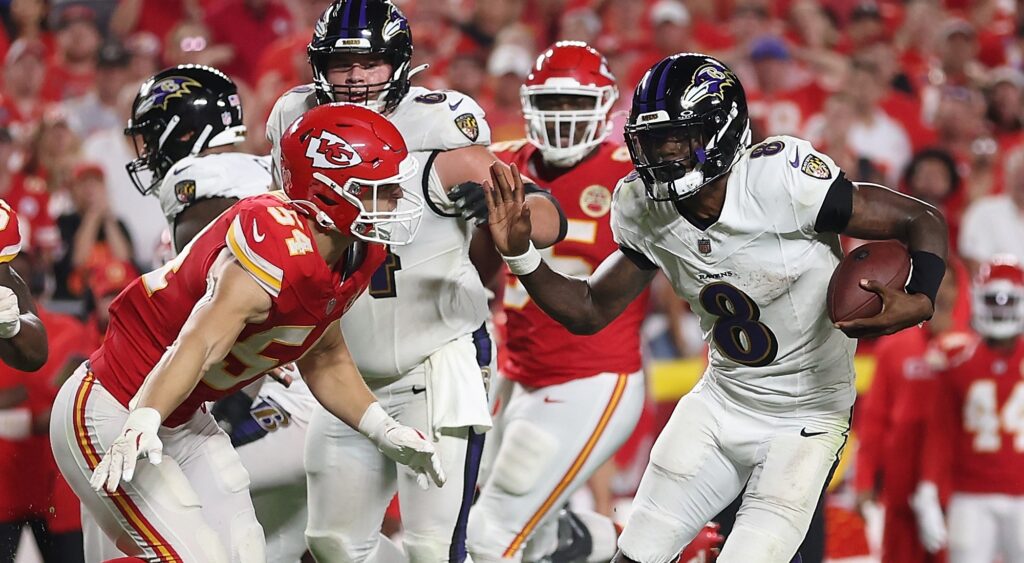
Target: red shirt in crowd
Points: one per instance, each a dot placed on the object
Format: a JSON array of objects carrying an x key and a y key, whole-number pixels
[{"x": 249, "y": 32}]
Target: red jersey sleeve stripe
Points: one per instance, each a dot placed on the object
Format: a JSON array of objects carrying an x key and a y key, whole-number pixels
[{"x": 262, "y": 270}]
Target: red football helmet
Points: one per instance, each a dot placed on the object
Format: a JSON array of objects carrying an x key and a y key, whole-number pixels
[
  {"x": 573, "y": 68},
  {"x": 334, "y": 156},
  {"x": 705, "y": 547},
  {"x": 998, "y": 299}
]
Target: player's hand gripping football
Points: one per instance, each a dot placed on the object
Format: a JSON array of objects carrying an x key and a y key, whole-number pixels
[
  {"x": 403, "y": 444},
  {"x": 507, "y": 210},
  {"x": 900, "y": 310},
  {"x": 138, "y": 439}
]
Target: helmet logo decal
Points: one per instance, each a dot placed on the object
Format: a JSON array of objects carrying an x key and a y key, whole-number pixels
[
  {"x": 396, "y": 24},
  {"x": 165, "y": 91},
  {"x": 331, "y": 151},
  {"x": 710, "y": 80}
]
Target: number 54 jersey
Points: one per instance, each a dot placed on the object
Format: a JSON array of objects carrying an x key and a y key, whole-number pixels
[
  {"x": 756, "y": 277},
  {"x": 273, "y": 244}
]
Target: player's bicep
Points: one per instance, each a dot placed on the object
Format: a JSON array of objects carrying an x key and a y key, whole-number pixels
[
  {"x": 618, "y": 280},
  {"x": 467, "y": 164},
  {"x": 881, "y": 213}
]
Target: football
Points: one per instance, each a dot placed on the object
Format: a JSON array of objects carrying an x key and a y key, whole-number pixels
[{"x": 886, "y": 262}]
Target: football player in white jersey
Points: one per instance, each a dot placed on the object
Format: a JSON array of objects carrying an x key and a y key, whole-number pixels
[
  {"x": 749, "y": 236},
  {"x": 418, "y": 334},
  {"x": 185, "y": 158}
]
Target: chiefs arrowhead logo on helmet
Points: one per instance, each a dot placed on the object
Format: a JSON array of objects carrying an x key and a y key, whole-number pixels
[{"x": 328, "y": 150}]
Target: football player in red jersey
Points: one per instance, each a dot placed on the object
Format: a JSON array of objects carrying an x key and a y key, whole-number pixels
[
  {"x": 263, "y": 285},
  {"x": 22, "y": 336},
  {"x": 566, "y": 402},
  {"x": 976, "y": 431}
]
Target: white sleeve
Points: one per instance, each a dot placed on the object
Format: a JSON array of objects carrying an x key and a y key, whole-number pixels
[
  {"x": 454, "y": 122},
  {"x": 807, "y": 173}
]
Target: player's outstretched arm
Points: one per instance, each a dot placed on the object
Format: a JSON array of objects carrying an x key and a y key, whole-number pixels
[
  {"x": 879, "y": 213},
  {"x": 334, "y": 379},
  {"x": 469, "y": 167},
  {"x": 584, "y": 306},
  {"x": 22, "y": 336}
]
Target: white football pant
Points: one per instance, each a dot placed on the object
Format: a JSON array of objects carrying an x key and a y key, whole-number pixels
[
  {"x": 982, "y": 526},
  {"x": 709, "y": 450},
  {"x": 192, "y": 507},
  {"x": 546, "y": 444}
]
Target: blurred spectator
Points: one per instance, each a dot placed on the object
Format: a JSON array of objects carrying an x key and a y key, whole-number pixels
[
  {"x": 24, "y": 75},
  {"x": 105, "y": 279},
  {"x": 27, "y": 22},
  {"x": 72, "y": 72},
  {"x": 580, "y": 24},
  {"x": 53, "y": 151},
  {"x": 1004, "y": 106},
  {"x": 99, "y": 108},
  {"x": 932, "y": 177},
  {"x": 152, "y": 16},
  {"x": 898, "y": 98},
  {"x": 92, "y": 233},
  {"x": 27, "y": 194},
  {"x": 190, "y": 42},
  {"x": 28, "y": 475},
  {"x": 891, "y": 421},
  {"x": 249, "y": 27},
  {"x": 865, "y": 26},
  {"x": 873, "y": 134},
  {"x": 507, "y": 68},
  {"x": 670, "y": 34},
  {"x": 994, "y": 224},
  {"x": 283, "y": 64},
  {"x": 829, "y": 132},
  {"x": 779, "y": 104},
  {"x": 110, "y": 149},
  {"x": 144, "y": 49},
  {"x": 467, "y": 74}
]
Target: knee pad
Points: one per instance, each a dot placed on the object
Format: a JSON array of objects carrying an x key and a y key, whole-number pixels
[
  {"x": 525, "y": 453},
  {"x": 484, "y": 540},
  {"x": 687, "y": 441},
  {"x": 333, "y": 547},
  {"x": 426, "y": 549},
  {"x": 228, "y": 468},
  {"x": 652, "y": 536},
  {"x": 247, "y": 540},
  {"x": 211, "y": 547}
]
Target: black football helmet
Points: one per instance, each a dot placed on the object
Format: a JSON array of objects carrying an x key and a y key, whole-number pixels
[
  {"x": 362, "y": 27},
  {"x": 688, "y": 125},
  {"x": 180, "y": 112}
]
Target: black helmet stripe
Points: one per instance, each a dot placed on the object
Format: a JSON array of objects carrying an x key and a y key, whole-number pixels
[
  {"x": 351, "y": 26},
  {"x": 654, "y": 98}
]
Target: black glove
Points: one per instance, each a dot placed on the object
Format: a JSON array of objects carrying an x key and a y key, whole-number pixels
[{"x": 469, "y": 199}]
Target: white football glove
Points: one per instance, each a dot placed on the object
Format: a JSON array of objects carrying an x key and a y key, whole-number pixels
[
  {"x": 138, "y": 439},
  {"x": 10, "y": 313},
  {"x": 402, "y": 444},
  {"x": 931, "y": 524}
]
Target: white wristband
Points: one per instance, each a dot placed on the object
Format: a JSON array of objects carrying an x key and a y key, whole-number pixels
[{"x": 525, "y": 263}]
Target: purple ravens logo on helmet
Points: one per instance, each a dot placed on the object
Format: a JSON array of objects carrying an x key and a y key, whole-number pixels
[
  {"x": 709, "y": 80},
  {"x": 165, "y": 90}
]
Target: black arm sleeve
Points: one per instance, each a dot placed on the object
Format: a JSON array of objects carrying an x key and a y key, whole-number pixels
[
  {"x": 563, "y": 222},
  {"x": 641, "y": 261},
  {"x": 837, "y": 208}
]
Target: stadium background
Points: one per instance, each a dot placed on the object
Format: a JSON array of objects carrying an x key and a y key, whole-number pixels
[{"x": 921, "y": 95}]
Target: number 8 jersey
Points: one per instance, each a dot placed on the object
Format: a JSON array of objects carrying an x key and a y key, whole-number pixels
[
  {"x": 274, "y": 244},
  {"x": 756, "y": 277}
]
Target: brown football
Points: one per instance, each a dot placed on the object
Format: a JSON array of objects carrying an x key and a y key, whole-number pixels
[{"x": 886, "y": 262}]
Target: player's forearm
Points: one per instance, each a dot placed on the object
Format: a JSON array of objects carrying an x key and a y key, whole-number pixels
[
  {"x": 880, "y": 213},
  {"x": 27, "y": 350},
  {"x": 566, "y": 299},
  {"x": 339, "y": 388},
  {"x": 175, "y": 376},
  {"x": 548, "y": 222}
]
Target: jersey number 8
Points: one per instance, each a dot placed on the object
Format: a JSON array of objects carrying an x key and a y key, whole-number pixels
[{"x": 737, "y": 333}]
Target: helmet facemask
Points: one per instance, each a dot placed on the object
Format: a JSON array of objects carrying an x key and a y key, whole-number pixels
[
  {"x": 381, "y": 97},
  {"x": 566, "y": 136},
  {"x": 395, "y": 227},
  {"x": 998, "y": 309}
]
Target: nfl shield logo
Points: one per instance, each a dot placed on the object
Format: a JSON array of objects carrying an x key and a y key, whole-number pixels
[{"x": 704, "y": 246}]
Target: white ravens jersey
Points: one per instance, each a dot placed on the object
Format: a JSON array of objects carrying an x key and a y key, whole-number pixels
[
  {"x": 226, "y": 174},
  {"x": 756, "y": 278},
  {"x": 427, "y": 293},
  {"x": 237, "y": 175}
]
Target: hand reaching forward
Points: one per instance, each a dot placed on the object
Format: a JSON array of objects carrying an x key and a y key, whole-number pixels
[
  {"x": 138, "y": 439},
  {"x": 507, "y": 211}
]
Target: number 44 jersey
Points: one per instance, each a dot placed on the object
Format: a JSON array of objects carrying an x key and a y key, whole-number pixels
[
  {"x": 756, "y": 277},
  {"x": 273, "y": 244}
]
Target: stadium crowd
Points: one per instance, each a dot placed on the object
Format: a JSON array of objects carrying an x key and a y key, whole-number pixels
[{"x": 923, "y": 95}]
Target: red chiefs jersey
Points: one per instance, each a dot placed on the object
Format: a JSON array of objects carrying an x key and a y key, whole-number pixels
[
  {"x": 274, "y": 244},
  {"x": 976, "y": 434},
  {"x": 540, "y": 351},
  {"x": 10, "y": 233}
]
